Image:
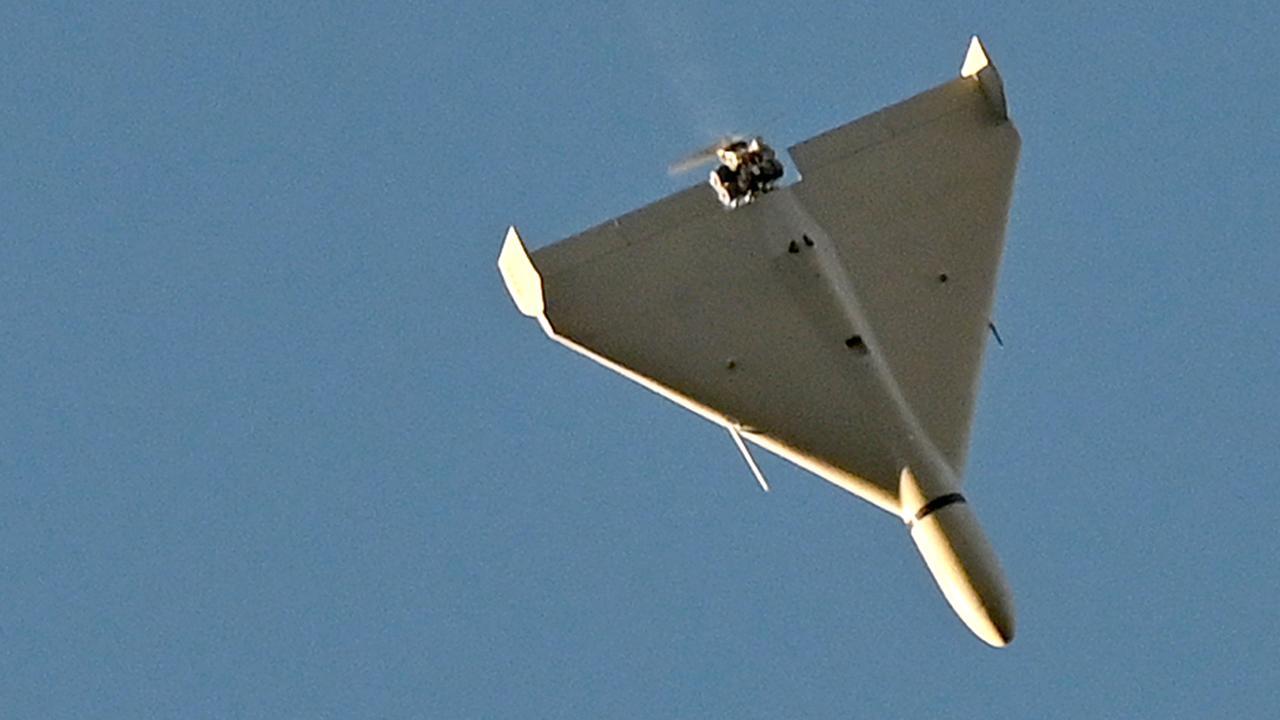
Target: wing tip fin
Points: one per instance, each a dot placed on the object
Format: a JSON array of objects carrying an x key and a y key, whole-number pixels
[
  {"x": 975, "y": 59},
  {"x": 522, "y": 279},
  {"x": 977, "y": 65}
]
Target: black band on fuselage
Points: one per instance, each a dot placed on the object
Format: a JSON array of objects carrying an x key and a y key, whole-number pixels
[{"x": 937, "y": 504}]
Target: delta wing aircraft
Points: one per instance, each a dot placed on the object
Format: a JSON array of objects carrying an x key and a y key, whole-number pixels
[{"x": 838, "y": 322}]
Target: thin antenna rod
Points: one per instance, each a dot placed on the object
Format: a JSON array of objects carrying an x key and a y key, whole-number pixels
[
  {"x": 999, "y": 341},
  {"x": 746, "y": 455}
]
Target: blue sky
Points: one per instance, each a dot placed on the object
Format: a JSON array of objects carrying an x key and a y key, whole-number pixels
[{"x": 276, "y": 443}]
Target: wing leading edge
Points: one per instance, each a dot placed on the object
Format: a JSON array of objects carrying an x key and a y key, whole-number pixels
[{"x": 838, "y": 322}]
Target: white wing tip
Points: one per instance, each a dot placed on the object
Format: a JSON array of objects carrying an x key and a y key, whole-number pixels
[
  {"x": 521, "y": 277},
  {"x": 975, "y": 59}
]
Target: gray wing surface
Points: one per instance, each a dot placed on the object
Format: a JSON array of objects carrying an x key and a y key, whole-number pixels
[
  {"x": 911, "y": 194},
  {"x": 813, "y": 319}
]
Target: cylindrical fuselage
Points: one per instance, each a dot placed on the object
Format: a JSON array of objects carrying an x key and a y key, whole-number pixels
[{"x": 962, "y": 561}]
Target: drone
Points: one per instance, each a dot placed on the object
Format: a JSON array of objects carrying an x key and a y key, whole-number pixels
[{"x": 840, "y": 322}]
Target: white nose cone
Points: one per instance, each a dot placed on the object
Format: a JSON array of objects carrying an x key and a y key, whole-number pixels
[
  {"x": 967, "y": 571},
  {"x": 962, "y": 562}
]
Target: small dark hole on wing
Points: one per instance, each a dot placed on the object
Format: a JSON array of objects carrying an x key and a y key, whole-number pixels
[
  {"x": 793, "y": 248},
  {"x": 856, "y": 344},
  {"x": 807, "y": 241}
]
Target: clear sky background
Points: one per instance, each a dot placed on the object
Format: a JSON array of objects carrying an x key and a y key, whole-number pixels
[{"x": 274, "y": 442}]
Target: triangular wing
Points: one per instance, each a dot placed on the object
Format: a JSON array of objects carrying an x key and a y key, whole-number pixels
[{"x": 816, "y": 320}]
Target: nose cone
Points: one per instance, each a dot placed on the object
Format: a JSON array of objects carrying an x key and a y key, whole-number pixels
[
  {"x": 966, "y": 569},
  {"x": 994, "y": 625}
]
